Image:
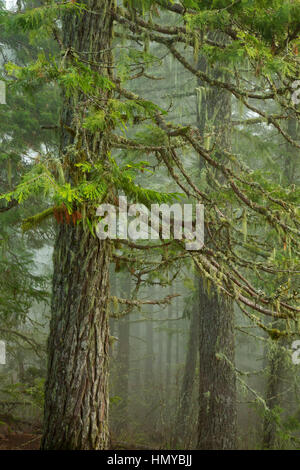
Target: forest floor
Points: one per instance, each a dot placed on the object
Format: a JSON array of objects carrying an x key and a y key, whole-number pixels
[
  {"x": 20, "y": 441},
  {"x": 18, "y": 434},
  {"x": 31, "y": 441}
]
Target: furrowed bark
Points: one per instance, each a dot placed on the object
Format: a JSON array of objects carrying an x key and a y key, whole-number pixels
[
  {"x": 76, "y": 402},
  {"x": 123, "y": 359},
  {"x": 76, "y": 396},
  {"x": 217, "y": 393},
  {"x": 279, "y": 374},
  {"x": 183, "y": 418},
  {"x": 217, "y": 424}
]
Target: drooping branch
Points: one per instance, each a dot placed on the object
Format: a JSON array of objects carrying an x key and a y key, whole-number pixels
[{"x": 13, "y": 203}]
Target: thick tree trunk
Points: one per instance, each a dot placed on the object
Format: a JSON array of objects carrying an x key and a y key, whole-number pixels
[
  {"x": 183, "y": 413},
  {"x": 122, "y": 388},
  {"x": 169, "y": 346},
  {"x": 123, "y": 373},
  {"x": 149, "y": 363},
  {"x": 76, "y": 397},
  {"x": 137, "y": 353},
  {"x": 279, "y": 374},
  {"x": 217, "y": 392},
  {"x": 177, "y": 333},
  {"x": 76, "y": 402},
  {"x": 112, "y": 322},
  {"x": 160, "y": 359},
  {"x": 275, "y": 382}
]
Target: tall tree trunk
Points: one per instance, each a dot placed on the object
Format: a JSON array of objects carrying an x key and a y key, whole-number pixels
[
  {"x": 76, "y": 396},
  {"x": 182, "y": 418},
  {"x": 160, "y": 354},
  {"x": 217, "y": 407},
  {"x": 137, "y": 352},
  {"x": 149, "y": 373},
  {"x": 123, "y": 359},
  {"x": 279, "y": 374},
  {"x": 217, "y": 382},
  {"x": 112, "y": 321},
  {"x": 169, "y": 346},
  {"x": 274, "y": 387},
  {"x": 177, "y": 332}
]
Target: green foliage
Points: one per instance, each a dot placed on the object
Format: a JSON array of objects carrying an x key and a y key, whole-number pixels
[
  {"x": 252, "y": 218},
  {"x": 73, "y": 78},
  {"x": 30, "y": 394},
  {"x": 150, "y": 134},
  {"x": 141, "y": 6},
  {"x": 89, "y": 192},
  {"x": 39, "y": 17},
  {"x": 129, "y": 58},
  {"x": 261, "y": 29},
  {"x": 120, "y": 114}
]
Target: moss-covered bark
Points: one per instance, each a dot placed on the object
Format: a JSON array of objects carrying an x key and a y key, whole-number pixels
[
  {"x": 217, "y": 394},
  {"x": 76, "y": 401},
  {"x": 217, "y": 381}
]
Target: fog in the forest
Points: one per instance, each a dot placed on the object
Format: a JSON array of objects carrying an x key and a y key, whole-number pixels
[{"x": 155, "y": 300}]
